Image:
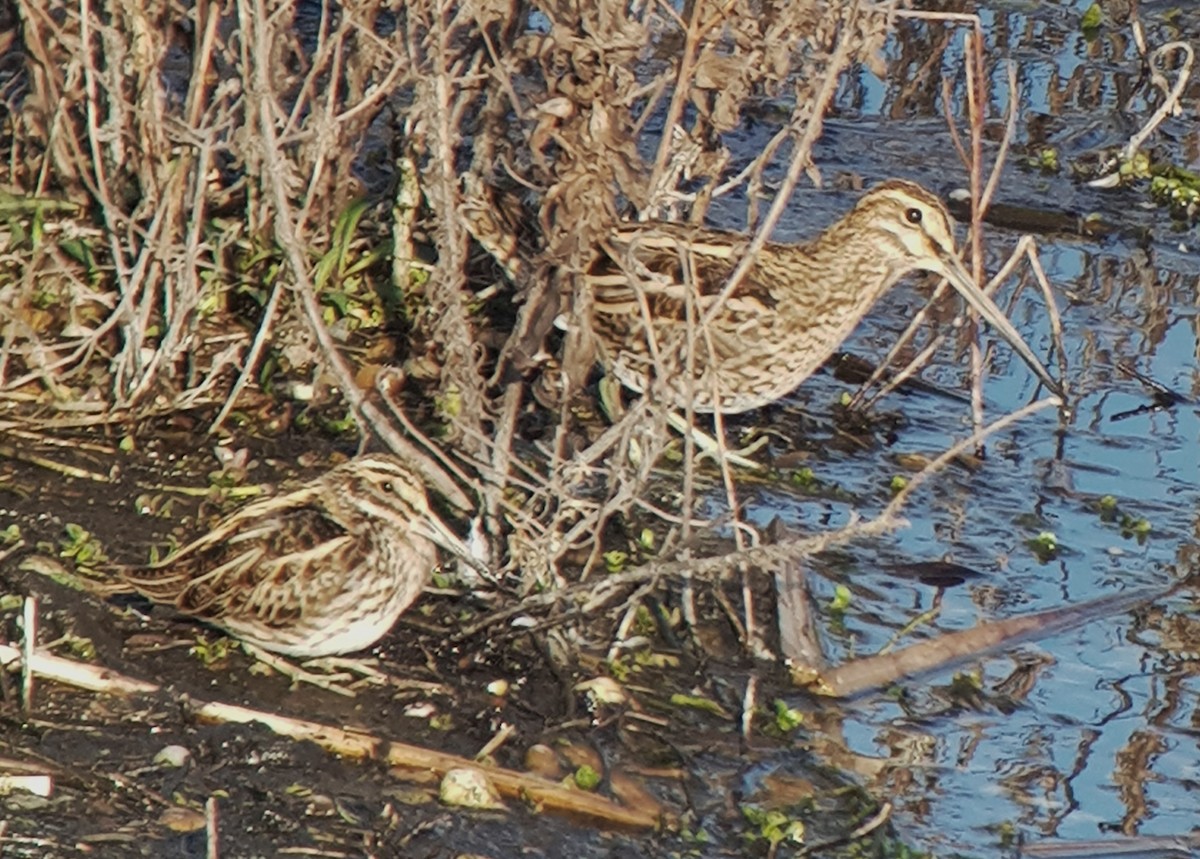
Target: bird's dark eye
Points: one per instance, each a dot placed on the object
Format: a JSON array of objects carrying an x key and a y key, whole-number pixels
[
  {"x": 388, "y": 486},
  {"x": 913, "y": 216}
]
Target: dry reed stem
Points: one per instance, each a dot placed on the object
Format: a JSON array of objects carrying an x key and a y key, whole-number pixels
[
  {"x": 358, "y": 745},
  {"x": 1172, "y": 93},
  {"x": 885, "y": 668},
  {"x": 552, "y": 123},
  {"x": 277, "y": 178},
  {"x": 144, "y": 157},
  {"x": 591, "y": 597},
  {"x": 584, "y": 182}
]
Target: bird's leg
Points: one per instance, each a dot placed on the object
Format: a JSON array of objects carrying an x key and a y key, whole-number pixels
[
  {"x": 297, "y": 674},
  {"x": 709, "y": 446},
  {"x": 367, "y": 668},
  {"x": 610, "y": 401}
]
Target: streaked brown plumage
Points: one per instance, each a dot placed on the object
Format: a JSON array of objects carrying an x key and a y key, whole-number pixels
[
  {"x": 322, "y": 570},
  {"x": 795, "y": 306}
]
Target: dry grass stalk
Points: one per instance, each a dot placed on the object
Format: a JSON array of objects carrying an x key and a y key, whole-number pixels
[
  {"x": 576, "y": 164},
  {"x": 157, "y": 149},
  {"x": 543, "y": 115}
]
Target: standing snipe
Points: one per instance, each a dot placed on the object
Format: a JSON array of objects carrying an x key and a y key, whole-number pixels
[
  {"x": 653, "y": 286},
  {"x": 322, "y": 570}
]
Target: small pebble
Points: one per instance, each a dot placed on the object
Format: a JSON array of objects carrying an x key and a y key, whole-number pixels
[
  {"x": 173, "y": 756},
  {"x": 468, "y": 788}
]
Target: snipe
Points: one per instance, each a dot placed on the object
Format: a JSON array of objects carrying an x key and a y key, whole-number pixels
[
  {"x": 322, "y": 570},
  {"x": 654, "y": 286}
]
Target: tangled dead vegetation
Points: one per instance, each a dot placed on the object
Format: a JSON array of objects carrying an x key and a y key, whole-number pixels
[
  {"x": 570, "y": 145},
  {"x": 193, "y": 234}
]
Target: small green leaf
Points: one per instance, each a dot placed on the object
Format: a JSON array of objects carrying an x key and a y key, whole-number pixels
[
  {"x": 695, "y": 702},
  {"x": 80, "y": 251},
  {"x": 1044, "y": 545},
  {"x": 803, "y": 477},
  {"x": 615, "y": 560},
  {"x": 774, "y": 826},
  {"x": 842, "y": 597},
  {"x": 586, "y": 778},
  {"x": 787, "y": 718}
]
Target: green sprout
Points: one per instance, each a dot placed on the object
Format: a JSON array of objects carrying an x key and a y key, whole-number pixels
[
  {"x": 774, "y": 827},
  {"x": 1044, "y": 545},
  {"x": 615, "y": 560},
  {"x": 586, "y": 778},
  {"x": 787, "y": 719},
  {"x": 842, "y": 597},
  {"x": 81, "y": 546}
]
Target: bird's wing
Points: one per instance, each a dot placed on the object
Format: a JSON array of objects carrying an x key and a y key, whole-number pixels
[
  {"x": 255, "y": 562},
  {"x": 665, "y": 261},
  {"x": 667, "y": 266}
]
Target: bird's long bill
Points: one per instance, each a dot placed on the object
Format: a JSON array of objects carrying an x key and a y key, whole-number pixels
[
  {"x": 994, "y": 316},
  {"x": 442, "y": 534}
]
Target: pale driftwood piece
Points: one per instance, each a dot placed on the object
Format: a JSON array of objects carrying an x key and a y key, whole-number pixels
[
  {"x": 538, "y": 792},
  {"x": 39, "y": 785},
  {"x": 873, "y": 672},
  {"x": 210, "y": 829},
  {"x": 78, "y": 674}
]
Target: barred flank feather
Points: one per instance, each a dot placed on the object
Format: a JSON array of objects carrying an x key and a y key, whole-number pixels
[
  {"x": 662, "y": 324},
  {"x": 322, "y": 570}
]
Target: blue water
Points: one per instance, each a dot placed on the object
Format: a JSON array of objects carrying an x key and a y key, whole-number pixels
[{"x": 1102, "y": 740}]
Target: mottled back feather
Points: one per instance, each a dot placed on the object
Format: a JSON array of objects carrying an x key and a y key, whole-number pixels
[
  {"x": 790, "y": 311},
  {"x": 320, "y": 570}
]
